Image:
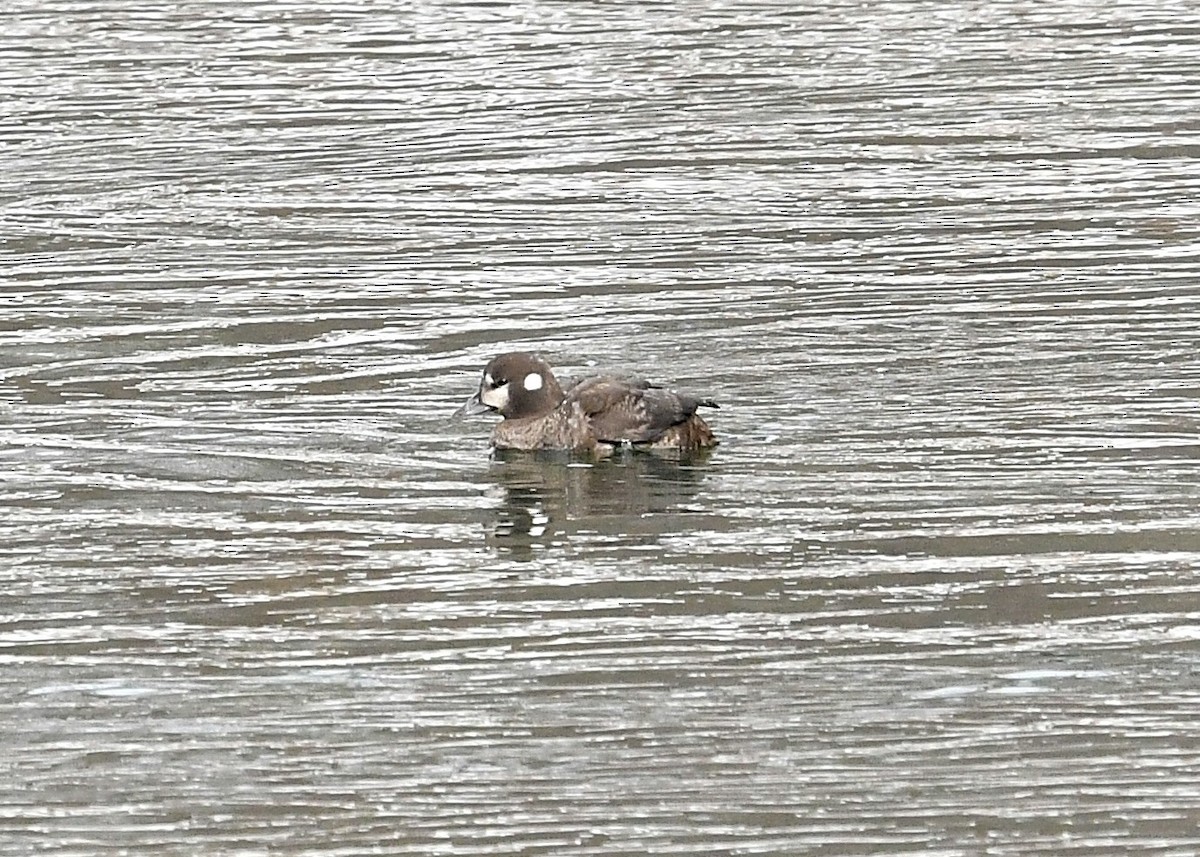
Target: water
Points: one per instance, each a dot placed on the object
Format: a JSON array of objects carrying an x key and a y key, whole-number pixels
[{"x": 935, "y": 593}]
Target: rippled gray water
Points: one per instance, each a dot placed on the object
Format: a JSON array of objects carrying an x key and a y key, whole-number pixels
[{"x": 937, "y": 592}]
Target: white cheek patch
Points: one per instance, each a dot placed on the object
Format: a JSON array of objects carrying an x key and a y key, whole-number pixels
[
  {"x": 487, "y": 379},
  {"x": 533, "y": 381},
  {"x": 495, "y": 398}
]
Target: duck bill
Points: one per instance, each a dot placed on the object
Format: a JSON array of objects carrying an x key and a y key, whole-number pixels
[{"x": 472, "y": 407}]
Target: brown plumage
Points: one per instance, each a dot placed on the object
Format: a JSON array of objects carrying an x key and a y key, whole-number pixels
[{"x": 595, "y": 414}]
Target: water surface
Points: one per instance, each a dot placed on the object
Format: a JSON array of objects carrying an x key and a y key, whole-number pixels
[{"x": 936, "y": 592}]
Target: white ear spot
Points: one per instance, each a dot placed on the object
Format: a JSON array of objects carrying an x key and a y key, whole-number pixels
[{"x": 533, "y": 381}]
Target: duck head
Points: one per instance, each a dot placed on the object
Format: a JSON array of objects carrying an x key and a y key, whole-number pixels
[{"x": 515, "y": 385}]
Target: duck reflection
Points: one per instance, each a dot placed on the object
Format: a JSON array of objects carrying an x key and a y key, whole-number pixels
[{"x": 547, "y": 495}]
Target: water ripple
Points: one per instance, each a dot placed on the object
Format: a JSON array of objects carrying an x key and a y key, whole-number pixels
[{"x": 935, "y": 591}]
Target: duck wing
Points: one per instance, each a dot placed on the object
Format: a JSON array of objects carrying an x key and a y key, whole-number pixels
[{"x": 631, "y": 409}]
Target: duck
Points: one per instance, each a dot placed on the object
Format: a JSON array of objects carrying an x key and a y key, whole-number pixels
[{"x": 595, "y": 415}]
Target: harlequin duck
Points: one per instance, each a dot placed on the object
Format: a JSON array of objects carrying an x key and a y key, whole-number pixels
[{"x": 592, "y": 415}]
